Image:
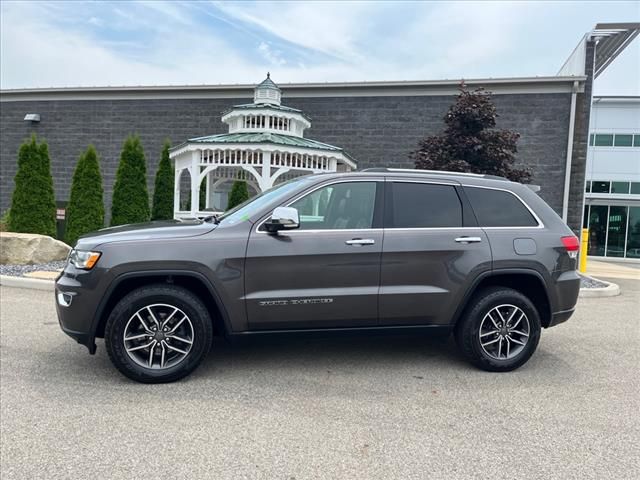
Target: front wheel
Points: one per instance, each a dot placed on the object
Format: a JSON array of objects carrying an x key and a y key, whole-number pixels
[
  {"x": 158, "y": 333},
  {"x": 500, "y": 330}
]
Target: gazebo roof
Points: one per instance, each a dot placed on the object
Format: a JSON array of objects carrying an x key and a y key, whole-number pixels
[
  {"x": 267, "y": 137},
  {"x": 268, "y": 106}
]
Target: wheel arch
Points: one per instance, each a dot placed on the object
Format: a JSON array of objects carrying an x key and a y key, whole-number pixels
[
  {"x": 526, "y": 281},
  {"x": 195, "y": 282}
]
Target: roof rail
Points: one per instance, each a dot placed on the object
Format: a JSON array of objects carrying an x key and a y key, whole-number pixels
[{"x": 436, "y": 172}]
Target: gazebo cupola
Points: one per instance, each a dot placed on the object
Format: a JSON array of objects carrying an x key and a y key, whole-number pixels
[
  {"x": 267, "y": 92},
  {"x": 265, "y": 140}
]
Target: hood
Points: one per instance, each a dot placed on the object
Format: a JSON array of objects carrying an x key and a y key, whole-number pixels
[{"x": 146, "y": 231}]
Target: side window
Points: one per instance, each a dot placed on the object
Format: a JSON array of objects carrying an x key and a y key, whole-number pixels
[
  {"x": 497, "y": 208},
  {"x": 425, "y": 205},
  {"x": 347, "y": 205}
]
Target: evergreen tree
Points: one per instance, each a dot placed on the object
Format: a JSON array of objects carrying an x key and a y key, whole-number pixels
[
  {"x": 85, "y": 211},
  {"x": 33, "y": 206},
  {"x": 163, "y": 191},
  {"x": 130, "y": 202},
  {"x": 470, "y": 142},
  {"x": 239, "y": 194}
]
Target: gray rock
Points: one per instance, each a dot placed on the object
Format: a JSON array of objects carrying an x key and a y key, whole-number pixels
[{"x": 29, "y": 248}]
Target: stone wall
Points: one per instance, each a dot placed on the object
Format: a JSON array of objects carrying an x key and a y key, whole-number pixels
[{"x": 375, "y": 130}]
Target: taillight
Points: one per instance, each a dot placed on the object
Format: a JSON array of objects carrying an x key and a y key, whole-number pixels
[{"x": 572, "y": 244}]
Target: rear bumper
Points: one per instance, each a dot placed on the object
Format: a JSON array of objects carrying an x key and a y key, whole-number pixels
[
  {"x": 567, "y": 288},
  {"x": 561, "y": 317}
]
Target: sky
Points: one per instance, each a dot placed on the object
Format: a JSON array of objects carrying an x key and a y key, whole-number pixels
[{"x": 90, "y": 43}]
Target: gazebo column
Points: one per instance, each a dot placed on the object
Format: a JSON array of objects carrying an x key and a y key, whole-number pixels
[
  {"x": 194, "y": 170},
  {"x": 209, "y": 180},
  {"x": 176, "y": 192}
]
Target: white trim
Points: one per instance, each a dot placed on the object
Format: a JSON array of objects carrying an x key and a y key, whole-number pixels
[
  {"x": 553, "y": 84},
  {"x": 567, "y": 172}
]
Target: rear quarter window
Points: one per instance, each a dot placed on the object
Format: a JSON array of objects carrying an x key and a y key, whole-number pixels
[{"x": 498, "y": 208}]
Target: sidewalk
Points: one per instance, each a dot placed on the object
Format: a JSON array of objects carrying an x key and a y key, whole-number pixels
[{"x": 599, "y": 269}]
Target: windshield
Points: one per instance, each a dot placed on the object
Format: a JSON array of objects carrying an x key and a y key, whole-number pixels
[{"x": 245, "y": 210}]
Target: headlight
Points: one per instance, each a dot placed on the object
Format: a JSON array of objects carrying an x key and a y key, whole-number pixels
[{"x": 83, "y": 259}]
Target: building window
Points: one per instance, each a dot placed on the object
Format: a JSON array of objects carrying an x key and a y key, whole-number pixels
[
  {"x": 614, "y": 140},
  {"x": 625, "y": 140},
  {"x": 617, "y": 231},
  {"x": 588, "y": 187},
  {"x": 620, "y": 187},
  {"x": 633, "y": 234},
  {"x": 603, "y": 140},
  {"x": 597, "y": 230},
  {"x": 635, "y": 188},
  {"x": 600, "y": 187}
]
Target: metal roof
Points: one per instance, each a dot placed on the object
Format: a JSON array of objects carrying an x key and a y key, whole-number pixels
[
  {"x": 266, "y": 137},
  {"x": 267, "y": 106},
  {"x": 268, "y": 83},
  {"x": 611, "y": 38}
]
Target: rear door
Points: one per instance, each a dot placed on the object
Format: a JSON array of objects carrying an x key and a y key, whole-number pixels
[
  {"x": 326, "y": 273},
  {"x": 433, "y": 249}
]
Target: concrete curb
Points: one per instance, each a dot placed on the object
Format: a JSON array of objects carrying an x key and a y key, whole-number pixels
[
  {"x": 24, "y": 282},
  {"x": 611, "y": 290}
]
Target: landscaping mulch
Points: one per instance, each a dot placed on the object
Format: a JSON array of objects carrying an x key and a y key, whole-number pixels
[{"x": 20, "y": 270}]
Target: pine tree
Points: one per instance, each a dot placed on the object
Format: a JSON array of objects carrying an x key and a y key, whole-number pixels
[
  {"x": 130, "y": 202},
  {"x": 239, "y": 194},
  {"x": 164, "y": 184},
  {"x": 33, "y": 206},
  {"x": 85, "y": 211},
  {"x": 470, "y": 142}
]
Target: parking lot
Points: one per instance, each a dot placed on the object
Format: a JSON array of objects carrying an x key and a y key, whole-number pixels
[{"x": 371, "y": 408}]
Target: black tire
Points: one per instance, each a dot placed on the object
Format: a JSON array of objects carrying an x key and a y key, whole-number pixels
[
  {"x": 467, "y": 332},
  {"x": 172, "y": 295}
]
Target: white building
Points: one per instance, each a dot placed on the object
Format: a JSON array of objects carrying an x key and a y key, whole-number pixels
[
  {"x": 612, "y": 198},
  {"x": 265, "y": 140}
]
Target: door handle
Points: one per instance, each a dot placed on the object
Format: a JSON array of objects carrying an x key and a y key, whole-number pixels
[
  {"x": 468, "y": 239},
  {"x": 358, "y": 242}
]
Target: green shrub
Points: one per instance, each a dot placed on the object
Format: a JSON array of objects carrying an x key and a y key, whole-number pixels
[
  {"x": 33, "y": 206},
  {"x": 239, "y": 194},
  {"x": 4, "y": 220},
  {"x": 163, "y": 191},
  {"x": 85, "y": 211},
  {"x": 130, "y": 202}
]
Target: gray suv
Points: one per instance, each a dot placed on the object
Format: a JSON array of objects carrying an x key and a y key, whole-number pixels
[{"x": 378, "y": 250}]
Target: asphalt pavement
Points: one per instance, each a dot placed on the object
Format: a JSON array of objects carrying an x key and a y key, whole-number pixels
[{"x": 371, "y": 408}]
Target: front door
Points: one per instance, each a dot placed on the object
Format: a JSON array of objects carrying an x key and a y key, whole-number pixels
[
  {"x": 326, "y": 273},
  {"x": 433, "y": 249}
]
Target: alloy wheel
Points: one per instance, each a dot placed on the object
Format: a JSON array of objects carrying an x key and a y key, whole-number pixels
[
  {"x": 504, "y": 332},
  {"x": 158, "y": 336}
]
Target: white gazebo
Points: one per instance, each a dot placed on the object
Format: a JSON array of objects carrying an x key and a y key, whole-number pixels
[{"x": 265, "y": 140}]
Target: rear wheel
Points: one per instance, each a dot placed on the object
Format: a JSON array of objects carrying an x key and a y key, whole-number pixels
[
  {"x": 500, "y": 330},
  {"x": 158, "y": 333}
]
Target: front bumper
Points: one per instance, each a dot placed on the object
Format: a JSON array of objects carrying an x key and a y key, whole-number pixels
[{"x": 75, "y": 306}]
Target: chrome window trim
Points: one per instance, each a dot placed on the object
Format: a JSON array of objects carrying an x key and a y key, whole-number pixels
[
  {"x": 309, "y": 192},
  {"x": 526, "y": 205},
  {"x": 401, "y": 229}
]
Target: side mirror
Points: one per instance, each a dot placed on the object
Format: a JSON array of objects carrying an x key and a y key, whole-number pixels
[{"x": 282, "y": 218}]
